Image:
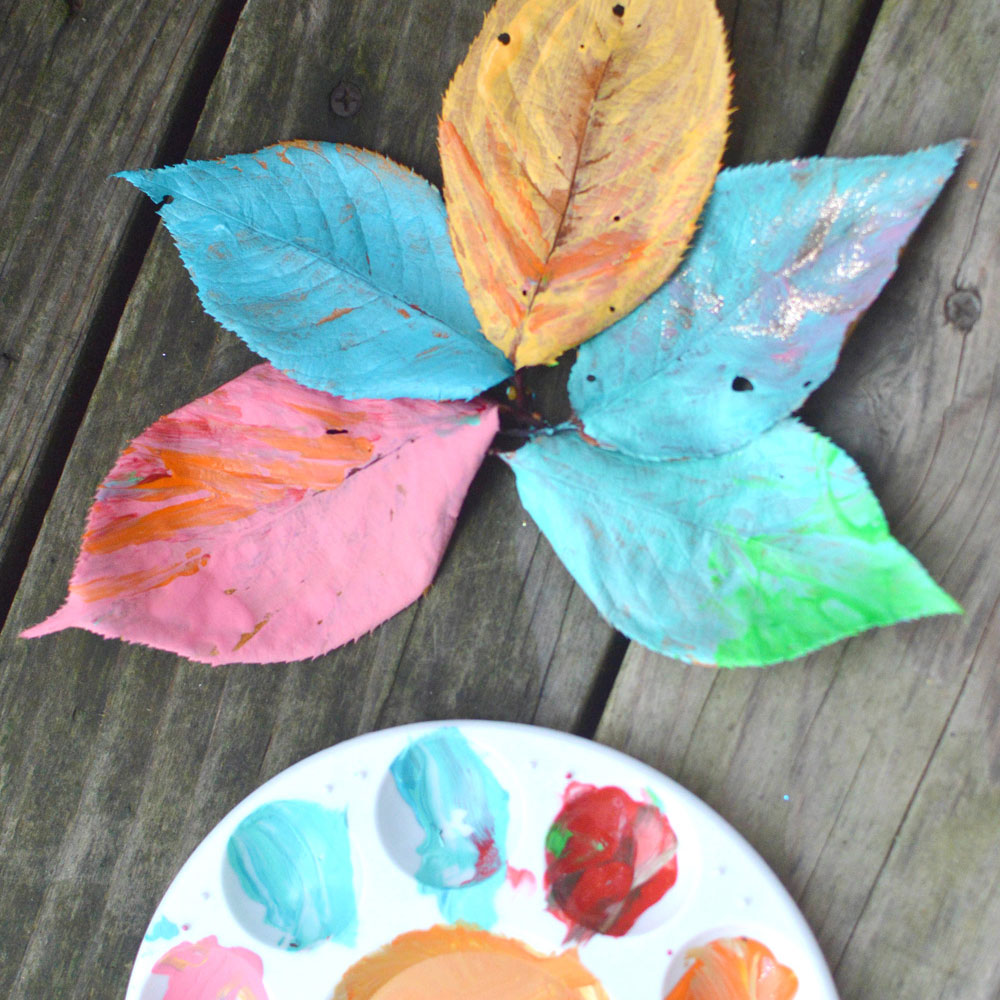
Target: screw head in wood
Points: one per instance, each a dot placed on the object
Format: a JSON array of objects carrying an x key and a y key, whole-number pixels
[
  {"x": 963, "y": 308},
  {"x": 345, "y": 100}
]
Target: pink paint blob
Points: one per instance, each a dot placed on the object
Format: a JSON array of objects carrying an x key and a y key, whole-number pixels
[
  {"x": 209, "y": 971},
  {"x": 521, "y": 878}
]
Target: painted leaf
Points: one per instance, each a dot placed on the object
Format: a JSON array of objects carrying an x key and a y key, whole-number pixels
[
  {"x": 333, "y": 263},
  {"x": 735, "y": 969},
  {"x": 787, "y": 258},
  {"x": 757, "y": 556},
  {"x": 579, "y": 141},
  {"x": 268, "y": 522}
]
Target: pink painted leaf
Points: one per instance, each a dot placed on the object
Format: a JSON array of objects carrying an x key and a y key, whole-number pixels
[{"x": 268, "y": 522}]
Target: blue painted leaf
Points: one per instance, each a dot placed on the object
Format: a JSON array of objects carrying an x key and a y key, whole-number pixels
[
  {"x": 750, "y": 558},
  {"x": 332, "y": 262},
  {"x": 788, "y": 256}
]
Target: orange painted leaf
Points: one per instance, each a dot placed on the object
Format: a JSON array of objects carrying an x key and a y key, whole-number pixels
[
  {"x": 267, "y": 522},
  {"x": 579, "y": 141}
]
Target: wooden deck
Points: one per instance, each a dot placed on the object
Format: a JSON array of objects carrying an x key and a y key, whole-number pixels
[{"x": 867, "y": 775}]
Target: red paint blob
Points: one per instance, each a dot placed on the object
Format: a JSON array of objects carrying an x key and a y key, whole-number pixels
[
  {"x": 608, "y": 859},
  {"x": 487, "y": 858}
]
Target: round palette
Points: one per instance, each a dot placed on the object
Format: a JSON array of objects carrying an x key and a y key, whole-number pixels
[{"x": 519, "y": 831}]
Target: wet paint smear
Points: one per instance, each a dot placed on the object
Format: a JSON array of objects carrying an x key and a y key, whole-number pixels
[
  {"x": 162, "y": 930},
  {"x": 463, "y": 811},
  {"x": 522, "y": 878},
  {"x": 455, "y": 963},
  {"x": 735, "y": 969},
  {"x": 608, "y": 859},
  {"x": 208, "y": 971},
  {"x": 294, "y": 858}
]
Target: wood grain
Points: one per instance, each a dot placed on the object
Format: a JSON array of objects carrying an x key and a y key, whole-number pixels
[
  {"x": 83, "y": 88},
  {"x": 113, "y": 774},
  {"x": 793, "y": 62},
  {"x": 884, "y": 745},
  {"x": 116, "y": 761}
]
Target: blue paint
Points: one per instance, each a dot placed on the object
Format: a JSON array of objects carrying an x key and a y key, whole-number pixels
[
  {"x": 162, "y": 930},
  {"x": 294, "y": 858},
  {"x": 333, "y": 263},
  {"x": 463, "y": 811},
  {"x": 786, "y": 258}
]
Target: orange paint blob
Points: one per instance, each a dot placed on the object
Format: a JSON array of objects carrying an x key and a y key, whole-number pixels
[
  {"x": 735, "y": 969},
  {"x": 454, "y": 963}
]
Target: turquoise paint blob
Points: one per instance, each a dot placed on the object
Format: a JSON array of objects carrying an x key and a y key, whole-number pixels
[
  {"x": 294, "y": 858},
  {"x": 162, "y": 930},
  {"x": 463, "y": 811}
]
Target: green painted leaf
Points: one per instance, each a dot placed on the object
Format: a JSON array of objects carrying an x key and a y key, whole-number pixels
[{"x": 753, "y": 557}]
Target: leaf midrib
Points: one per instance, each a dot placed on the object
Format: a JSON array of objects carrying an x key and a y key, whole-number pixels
[
  {"x": 519, "y": 336},
  {"x": 324, "y": 258}
]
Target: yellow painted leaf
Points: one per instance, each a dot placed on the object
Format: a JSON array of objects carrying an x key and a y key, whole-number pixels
[{"x": 579, "y": 141}]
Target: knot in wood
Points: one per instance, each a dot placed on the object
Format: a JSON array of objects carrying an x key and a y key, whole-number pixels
[
  {"x": 963, "y": 308},
  {"x": 345, "y": 100}
]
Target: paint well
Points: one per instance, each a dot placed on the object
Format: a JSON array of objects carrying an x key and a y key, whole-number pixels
[
  {"x": 205, "y": 970},
  {"x": 294, "y": 858},
  {"x": 608, "y": 859},
  {"x": 454, "y": 963},
  {"x": 735, "y": 969},
  {"x": 463, "y": 812}
]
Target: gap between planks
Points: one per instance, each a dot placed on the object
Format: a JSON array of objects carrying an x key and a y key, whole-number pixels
[{"x": 133, "y": 247}]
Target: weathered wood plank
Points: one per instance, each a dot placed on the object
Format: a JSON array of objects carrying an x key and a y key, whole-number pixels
[
  {"x": 792, "y": 62},
  {"x": 940, "y": 877},
  {"x": 884, "y": 744},
  {"x": 136, "y": 752},
  {"x": 118, "y": 760},
  {"x": 82, "y": 87}
]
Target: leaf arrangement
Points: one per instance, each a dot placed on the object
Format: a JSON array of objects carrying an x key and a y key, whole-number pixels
[{"x": 297, "y": 507}]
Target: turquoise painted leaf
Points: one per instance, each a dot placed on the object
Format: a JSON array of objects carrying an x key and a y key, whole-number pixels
[
  {"x": 333, "y": 263},
  {"x": 757, "y": 556},
  {"x": 788, "y": 256}
]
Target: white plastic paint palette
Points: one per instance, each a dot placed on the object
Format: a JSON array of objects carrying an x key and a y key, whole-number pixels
[{"x": 723, "y": 888}]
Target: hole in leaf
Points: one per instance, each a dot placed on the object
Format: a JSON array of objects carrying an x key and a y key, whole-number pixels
[
  {"x": 591, "y": 378},
  {"x": 336, "y": 430},
  {"x": 611, "y": 308},
  {"x": 805, "y": 385},
  {"x": 618, "y": 10},
  {"x": 618, "y": 218},
  {"x": 503, "y": 38},
  {"x": 741, "y": 384}
]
